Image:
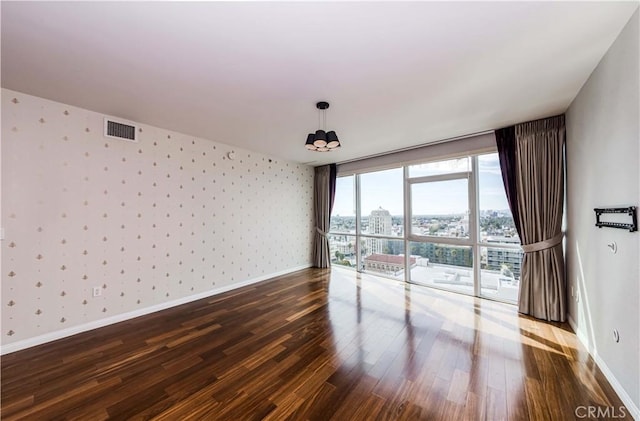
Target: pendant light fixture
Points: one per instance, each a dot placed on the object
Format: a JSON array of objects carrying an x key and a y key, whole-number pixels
[{"x": 321, "y": 140}]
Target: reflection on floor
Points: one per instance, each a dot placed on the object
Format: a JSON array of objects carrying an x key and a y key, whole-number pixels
[
  {"x": 315, "y": 344},
  {"x": 493, "y": 283}
]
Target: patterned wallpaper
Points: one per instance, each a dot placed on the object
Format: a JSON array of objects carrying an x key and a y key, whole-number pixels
[{"x": 149, "y": 222}]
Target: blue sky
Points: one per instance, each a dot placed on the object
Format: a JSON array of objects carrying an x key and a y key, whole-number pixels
[{"x": 384, "y": 189}]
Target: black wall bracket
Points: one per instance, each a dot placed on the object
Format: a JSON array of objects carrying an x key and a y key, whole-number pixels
[{"x": 631, "y": 211}]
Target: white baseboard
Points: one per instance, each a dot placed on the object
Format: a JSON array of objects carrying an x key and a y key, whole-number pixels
[
  {"x": 634, "y": 411},
  {"x": 59, "y": 334}
]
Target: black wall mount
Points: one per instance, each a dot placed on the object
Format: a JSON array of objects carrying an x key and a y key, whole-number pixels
[{"x": 630, "y": 210}]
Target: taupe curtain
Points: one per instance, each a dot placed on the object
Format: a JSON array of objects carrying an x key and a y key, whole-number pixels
[
  {"x": 323, "y": 197},
  {"x": 532, "y": 163}
]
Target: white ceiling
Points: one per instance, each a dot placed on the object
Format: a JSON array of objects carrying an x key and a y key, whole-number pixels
[{"x": 249, "y": 74}]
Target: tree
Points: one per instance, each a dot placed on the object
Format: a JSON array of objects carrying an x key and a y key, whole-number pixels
[{"x": 506, "y": 270}]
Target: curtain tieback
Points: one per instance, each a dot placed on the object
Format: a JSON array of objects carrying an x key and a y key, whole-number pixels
[
  {"x": 543, "y": 245},
  {"x": 322, "y": 233}
]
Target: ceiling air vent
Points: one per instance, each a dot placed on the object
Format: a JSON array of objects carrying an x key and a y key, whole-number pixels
[{"x": 123, "y": 130}]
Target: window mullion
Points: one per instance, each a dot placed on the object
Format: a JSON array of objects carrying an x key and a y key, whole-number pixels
[
  {"x": 439, "y": 177},
  {"x": 356, "y": 180},
  {"x": 407, "y": 223},
  {"x": 474, "y": 223}
]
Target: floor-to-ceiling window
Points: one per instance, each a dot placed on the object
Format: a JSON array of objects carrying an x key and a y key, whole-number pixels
[
  {"x": 381, "y": 223},
  {"x": 444, "y": 224},
  {"x": 498, "y": 241},
  {"x": 441, "y": 236},
  {"x": 342, "y": 237}
]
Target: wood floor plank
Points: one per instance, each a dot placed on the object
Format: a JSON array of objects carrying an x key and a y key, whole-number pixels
[
  {"x": 312, "y": 345},
  {"x": 313, "y": 407},
  {"x": 474, "y": 409},
  {"x": 285, "y": 407},
  {"x": 396, "y": 405}
]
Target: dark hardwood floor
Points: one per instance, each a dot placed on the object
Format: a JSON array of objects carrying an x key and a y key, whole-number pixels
[{"x": 315, "y": 345}]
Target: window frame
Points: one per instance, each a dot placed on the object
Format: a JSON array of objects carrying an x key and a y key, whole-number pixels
[
  {"x": 435, "y": 179},
  {"x": 474, "y": 240}
]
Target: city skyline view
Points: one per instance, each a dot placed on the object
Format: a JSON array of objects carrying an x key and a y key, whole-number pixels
[
  {"x": 439, "y": 208},
  {"x": 385, "y": 189}
]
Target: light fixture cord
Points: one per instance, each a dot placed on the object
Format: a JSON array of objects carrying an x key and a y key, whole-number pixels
[{"x": 324, "y": 119}]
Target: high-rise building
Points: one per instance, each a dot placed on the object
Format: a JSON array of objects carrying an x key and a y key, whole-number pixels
[
  {"x": 380, "y": 224},
  {"x": 499, "y": 258},
  {"x": 445, "y": 254}
]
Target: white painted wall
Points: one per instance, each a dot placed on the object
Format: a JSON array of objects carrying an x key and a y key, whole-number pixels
[
  {"x": 603, "y": 138},
  {"x": 153, "y": 223}
]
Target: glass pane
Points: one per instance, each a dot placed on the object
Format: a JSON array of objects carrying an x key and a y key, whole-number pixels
[
  {"x": 343, "y": 216},
  {"x": 383, "y": 257},
  {"x": 496, "y": 221},
  {"x": 443, "y": 266},
  {"x": 382, "y": 203},
  {"x": 440, "y": 167},
  {"x": 342, "y": 249},
  {"x": 440, "y": 208},
  {"x": 500, "y": 272}
]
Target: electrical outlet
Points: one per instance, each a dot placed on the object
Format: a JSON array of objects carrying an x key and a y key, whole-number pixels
[{"x": 97, "y": 291}]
